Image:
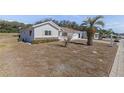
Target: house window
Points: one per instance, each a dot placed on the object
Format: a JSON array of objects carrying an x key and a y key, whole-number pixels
[
  {"x": 64, "y": 34},
  {"x": 30, "y": 32},
  {"x": 47, "y": 32}
]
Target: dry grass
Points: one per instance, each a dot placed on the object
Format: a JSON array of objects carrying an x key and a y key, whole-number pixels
[
  {"x": 55, "y": 60},
  {"x": 1, "y": 46},
  {"x": 52, "y": 59}
]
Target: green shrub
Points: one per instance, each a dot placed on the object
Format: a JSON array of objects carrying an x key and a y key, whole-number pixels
[
  {"x": 46, "y": 40},
  {"x": 114, "y": 37}
]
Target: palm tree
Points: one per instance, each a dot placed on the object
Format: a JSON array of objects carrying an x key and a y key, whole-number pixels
[
  {"x": 109, "y": 32},
  {"x": 102, "y": 33},
  {"x": 91, "y": 24}
]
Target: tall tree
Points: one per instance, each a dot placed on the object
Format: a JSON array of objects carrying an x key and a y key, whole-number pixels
[
  {"x": 109, "y": 32},
  {"x": 91, "y": 25},
  {"x": 62, "y": 23},
  {"x": 102, "y": 33}
]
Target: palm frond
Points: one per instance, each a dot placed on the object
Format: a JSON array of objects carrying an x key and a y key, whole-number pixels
[
  {"x": 96, "y": 18},
  {"x": 101, "y": 23},
  {"x": 84, "y": 23}
]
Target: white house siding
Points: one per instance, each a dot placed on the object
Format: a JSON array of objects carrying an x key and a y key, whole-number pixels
[
  {"x": 60, "y": 37},
  {"x": 75, "y": 36},
  {"x": 84, "y": 34},
  {"x": 39, "y": 32},
  {"x": 78, "y": 35},
  {"x": 96, "y": 36}
]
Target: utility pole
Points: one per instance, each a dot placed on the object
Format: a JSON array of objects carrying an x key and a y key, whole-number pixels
[{"x": 111, "y": 41}]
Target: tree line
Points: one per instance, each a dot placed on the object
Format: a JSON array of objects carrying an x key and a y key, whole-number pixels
[{"x": 12, "y": 27}]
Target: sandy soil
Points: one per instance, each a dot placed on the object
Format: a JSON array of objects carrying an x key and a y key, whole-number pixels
[{"x": 52, "y": 59}]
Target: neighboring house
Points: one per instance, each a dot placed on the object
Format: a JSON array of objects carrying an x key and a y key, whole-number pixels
[
  {"x": 50, "y": 30},
  {"x": 96, "y": 36},
  {"x": 121, "y": 35}
]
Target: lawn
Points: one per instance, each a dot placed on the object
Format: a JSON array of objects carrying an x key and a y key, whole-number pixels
[{"x": 52, "y": 59}]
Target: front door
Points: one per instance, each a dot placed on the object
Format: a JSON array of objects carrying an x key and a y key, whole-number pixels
[{"x": 79, "y": 36}]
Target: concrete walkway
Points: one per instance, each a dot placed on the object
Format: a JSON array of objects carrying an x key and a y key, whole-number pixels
[{"x": 118, "y": 66}]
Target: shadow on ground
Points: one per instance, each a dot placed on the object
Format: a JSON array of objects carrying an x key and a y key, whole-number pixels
[
  {"x": 78, "y": 43},
  {"x": 72, "y": 42}
]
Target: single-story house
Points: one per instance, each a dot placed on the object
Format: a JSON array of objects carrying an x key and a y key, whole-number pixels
[{"x": 49, "y": 30}]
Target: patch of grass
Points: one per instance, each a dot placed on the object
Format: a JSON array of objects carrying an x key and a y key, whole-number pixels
[
  {"x": 1, "y": 46},
  {"x": 9, "y": 34},
  {"x": 44, "y": 41}
]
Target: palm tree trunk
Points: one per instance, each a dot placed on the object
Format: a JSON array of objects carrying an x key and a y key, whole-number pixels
[{"x": 90, "y": 38}]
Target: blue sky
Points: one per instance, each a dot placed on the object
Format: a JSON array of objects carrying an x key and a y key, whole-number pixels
[{"x": 116, "y": 22}]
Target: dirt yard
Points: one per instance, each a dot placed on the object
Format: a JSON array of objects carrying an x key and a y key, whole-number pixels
[{"x": 52, "y": 59}]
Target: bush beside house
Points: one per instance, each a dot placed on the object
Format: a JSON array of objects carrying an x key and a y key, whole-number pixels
[{"x": 44, "y": 40}]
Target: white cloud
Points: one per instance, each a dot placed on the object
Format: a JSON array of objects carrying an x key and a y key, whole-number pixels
[
  {"x": 114, "y": 25},
  {"x": 10, "y": 20}
]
